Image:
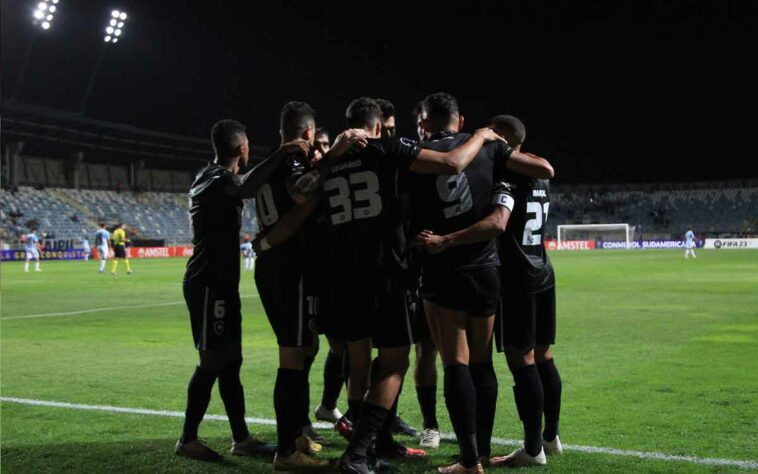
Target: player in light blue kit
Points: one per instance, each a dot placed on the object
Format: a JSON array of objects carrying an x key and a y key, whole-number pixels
[
  {"x": 31, "y": 245},
  {"x": 246, "y": 248},
  {"x": 103, "y": 244},
  {"x": 86, "y": 248},
  {"x": 689, "y": 244}
]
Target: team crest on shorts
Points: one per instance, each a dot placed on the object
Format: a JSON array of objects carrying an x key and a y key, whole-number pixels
[{"x": 218, "y": 327}]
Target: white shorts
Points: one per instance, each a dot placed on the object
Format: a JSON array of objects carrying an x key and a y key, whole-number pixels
[
  {"x": 32, "y": 254},
  {"x": 103, "y": 251},
  {"x": 689, "y": 245}
]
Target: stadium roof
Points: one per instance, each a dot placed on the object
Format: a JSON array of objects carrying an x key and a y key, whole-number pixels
[{"x": 57, "y": 133}]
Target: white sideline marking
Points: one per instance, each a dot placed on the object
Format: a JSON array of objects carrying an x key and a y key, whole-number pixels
[
  {"x": 98, "y": 310},
  {"x": 447, "y": 436}
]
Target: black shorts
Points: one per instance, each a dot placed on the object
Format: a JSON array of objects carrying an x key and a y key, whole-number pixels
[
  {"x": 348, "y": 309},
  {"x": 119, "y": 251},
  {"x": 215, "y": 314},
  {"x": 313, "y": 295},
  {"x": 394, "y": 323},
  {"x": 525, "y": 318},
  {"x": 380, "y": 311},
  {"x": 420, "y": 324},
  {"x": 283, "y": 298},
  {"x": 475, "y": 291}
]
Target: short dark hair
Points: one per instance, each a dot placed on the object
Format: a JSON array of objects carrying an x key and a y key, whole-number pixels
[
  {"x": 440, "y": 105},
  {"x": 322, "y": 131},
  {"x": 225, "y": 137},
  {"x": 363, "y": 112},
  {"x": 103, "y": 224},
  {"x": 295, "y": 118},
  {"x": 388, "y": 109},
  {"x": 511, "y": 126}
]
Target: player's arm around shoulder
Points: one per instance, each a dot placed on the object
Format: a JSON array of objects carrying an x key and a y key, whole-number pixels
[
  {"x": 531, "y": 165},
  {"x": 246, "y": 186},
  {"x": 457, "y": 159},
  {"x": 310, "y": 182}
]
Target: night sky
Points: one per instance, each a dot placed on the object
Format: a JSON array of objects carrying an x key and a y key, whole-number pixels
[{"x": 610, "y": 91}]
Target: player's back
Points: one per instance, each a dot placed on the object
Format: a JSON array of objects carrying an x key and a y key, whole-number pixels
[
  {"x": 359, "y": 206},
  {"x": 31, "y": 241},
  {"x": 272, "y": 202},
  {"x": 447, "y": 203},
  {"x": 521, "y": 246},
  {"x": 216, "y": 220},
  {"x": 101, "y": 237}
]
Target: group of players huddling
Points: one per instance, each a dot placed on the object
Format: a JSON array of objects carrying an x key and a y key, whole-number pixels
[{"x": 379, "y": 242}]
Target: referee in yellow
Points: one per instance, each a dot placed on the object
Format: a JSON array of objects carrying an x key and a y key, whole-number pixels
[{"x": 119, "y": 249}]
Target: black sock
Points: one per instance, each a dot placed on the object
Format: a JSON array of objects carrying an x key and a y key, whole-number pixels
[
  {"x": 232, "y": 394},
  {"x": 384, "y": 437},
  {"x": 372, "y": 417},
  {"x": 333, "y": 380},
  {"x": 485, "y": 383},
  {"x": 460, "y": 398},
  {"x": 287, "y": 396},
  {"x": 306, "y": 400},
  {"x": 529, "y": 401},
  {"x": 346, "y": 367},
  {"x": 198, "y": 397},
  {"x": 354, "y": 410},
  {"x": 552, "y": 387},
  {"x": 427, "y": 400}
]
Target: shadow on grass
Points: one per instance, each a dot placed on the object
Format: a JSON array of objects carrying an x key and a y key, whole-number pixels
[{"x": 155, "y": 455}]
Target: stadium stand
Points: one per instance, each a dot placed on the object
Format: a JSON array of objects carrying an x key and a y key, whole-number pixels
[
  {"x": 45, "y": 206},
  {"x": 163, "y": 215},
  {"x": 155, "y": 215},
  {"x": 716, "y": 209}
]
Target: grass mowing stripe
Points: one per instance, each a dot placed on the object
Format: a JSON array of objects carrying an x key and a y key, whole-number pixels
[
  {"x": 445, "y": 436},
  {"x": 98, "y": 310}
]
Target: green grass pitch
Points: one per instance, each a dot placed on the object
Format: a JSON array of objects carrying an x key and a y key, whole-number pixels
[{"x": 657, "y": 354}]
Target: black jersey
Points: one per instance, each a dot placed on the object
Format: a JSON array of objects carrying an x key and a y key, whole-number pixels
[
  {"x": 216, "y": 219},
  {"x": 272, "y": 202},
  {"x": 360, "y": 207},
  {"x": 522, "y": 246},
  {"x": 447, "y": 203}
]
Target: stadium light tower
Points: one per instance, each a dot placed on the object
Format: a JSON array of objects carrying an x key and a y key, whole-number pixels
[
  {"x": 114, "y": 28},
  {"x": 43, "y": 16},
  {"x": 45, "y": 13}
]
